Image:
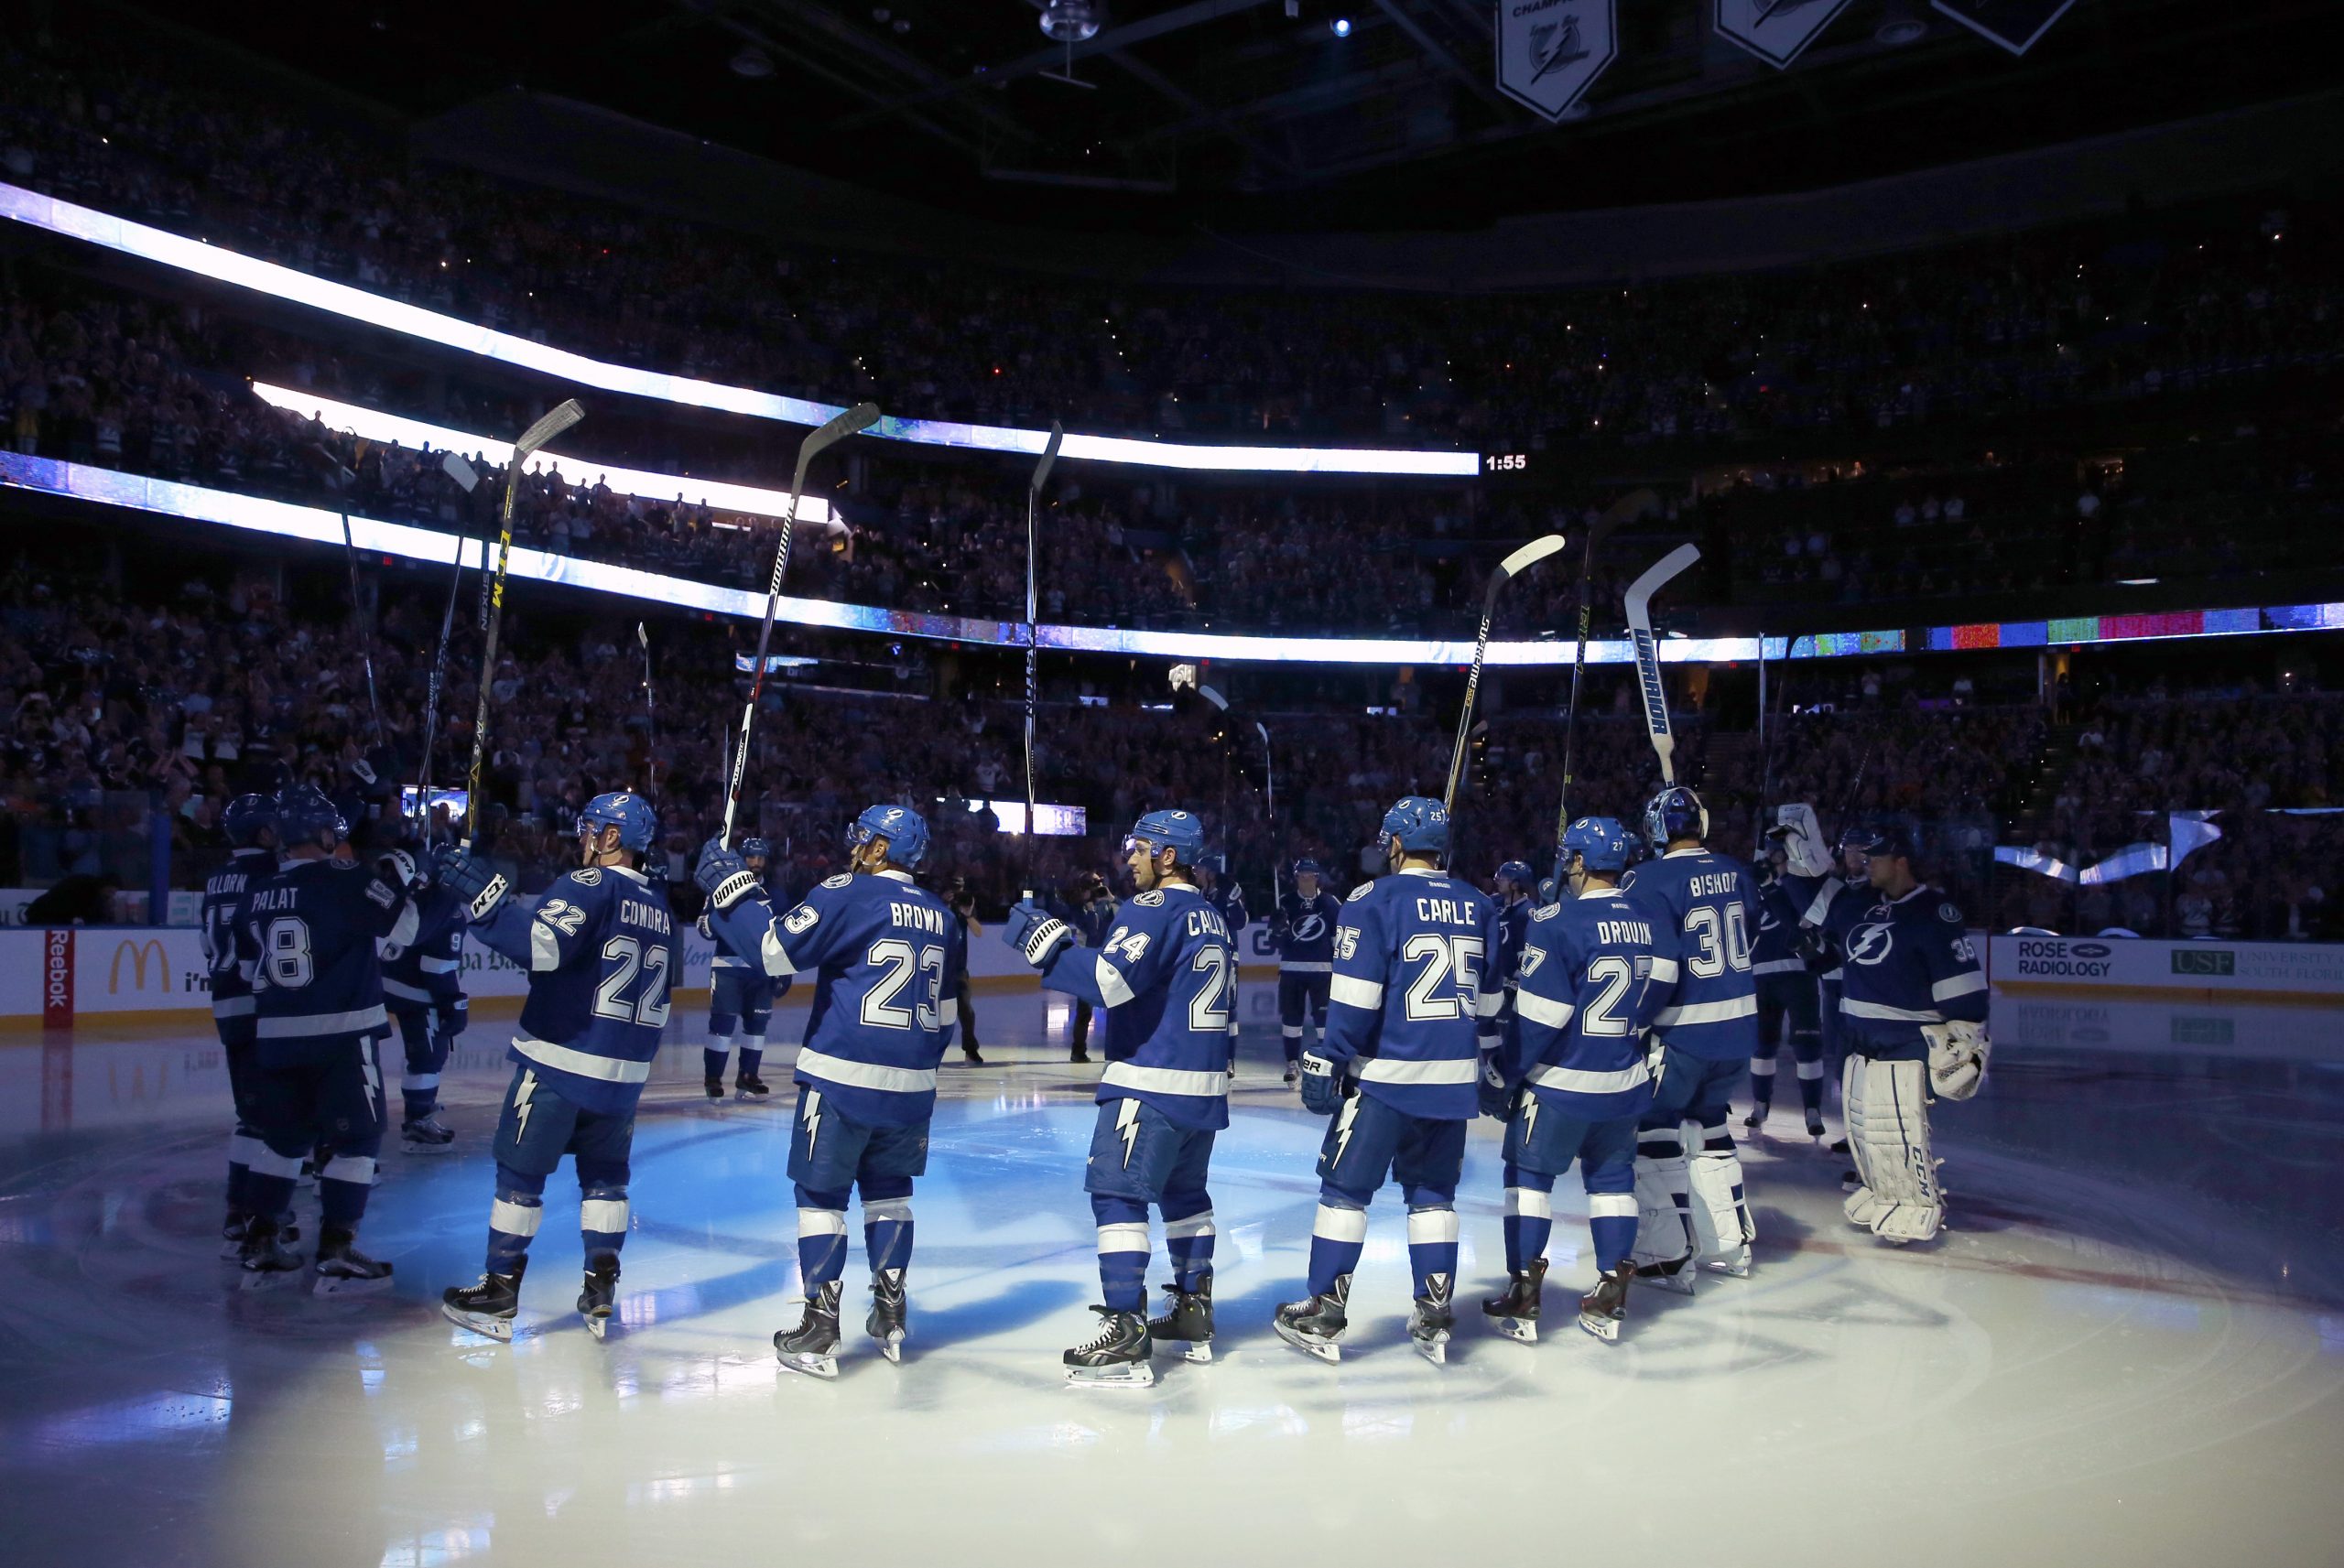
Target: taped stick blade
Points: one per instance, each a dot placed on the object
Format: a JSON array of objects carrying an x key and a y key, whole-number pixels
[
  {"x": 547, "y": 428},
  {"x": 1530, "y": 554},
  {"x": 455, "y": 468},
  {"x": 1049, "y": 454}
]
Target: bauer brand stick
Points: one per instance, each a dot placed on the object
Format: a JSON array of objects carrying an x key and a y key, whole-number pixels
[
  {"x": 1521, "y": 560},
  {"x": 1032, "y": 505},
  {"x": 493, "y": 612},
  {"x": 1639, "y": 592},
  {"x": 861, "y": 417}
]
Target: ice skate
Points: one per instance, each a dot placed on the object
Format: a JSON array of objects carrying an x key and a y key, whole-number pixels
[
  {"x": 1316, "y": 1324},
  {"x": 1187, "y": 1320},
  {"x": 714, "y": 1086},
  {"x": 749, "y": 1086},
  {"x": 969, "y": 1056},
  {"x": 1078, "y": 1054},
  {"x": 886, "y": 1322},
  {"x": 267, "y": 1252},
  {"x": 231, "y": 1237},
  {"x": 1116, "y": 1357},
  {"x": 1432, "y": 1318},
  {"x": 342, "y": 1270},
  {"x": 1294, "y": 1071},
  {"x": 1516, "y": 1311},
  {"x": 427, "y": 1135},
  {"x": 1675, "y": 1276},
  {"x": 1758, "y": 1114},
  {"x": 812, "y": 1347},
  {"x": 489, "y": 1307},
  {"x": 1734, "y": 1262},
  {"x": 1603, "y": 1309},
  {"x": 1814, "y": 1125},
  {"x": 597, "y": 1296}
]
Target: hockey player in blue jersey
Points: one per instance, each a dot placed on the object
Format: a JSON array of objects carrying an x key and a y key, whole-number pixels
[
  {"x": 1304, "y": 933},
  {"x": 740, "y": 997},
  {"x": 1915, "y": 1021},
  {"x": 880, "y": 950},
  {"x": 250, "y": 821},
  {"x": 602, "y": 952},
  {"x": 423, "y": 989},
  {"x": 1707, "y": 1026},
  {"x": 1397, "y": 1072},
  {"x": 1787, "y": 998},
  {"x": 1571, "y": 1079},
  {"x": 1515, "y": 884},
  {"x": 307, "y": 946},
  {"x": 1228, "y": 900},
  {"x": 1163, "y": 981},
  {"x": 1090, "y": 911}
]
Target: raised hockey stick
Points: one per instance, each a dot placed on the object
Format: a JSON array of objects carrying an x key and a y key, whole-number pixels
[
  {"x": 1578, "y": 675},
  {"x": 493, "y": 614},
  {"x": 650, "y": 715},
  {"x": 461, "y": 472},
  {"x": 1032, "y": 505},
  {"x": 1639, "y": 592},
  {"x": 1514, "y": 566},
  {"x": 861, "y": 417}
]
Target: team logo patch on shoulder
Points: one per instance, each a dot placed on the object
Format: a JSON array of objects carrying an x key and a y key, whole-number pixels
[
  {"x": 588, "y": 877},
  {"x": 841, "y": 879},
  {"x": 1546, "y": 911},
  {"x": 1358, "y": 893},
  {"x": 1950, "y": 914},
  {"x": 1150, "y": 899}
]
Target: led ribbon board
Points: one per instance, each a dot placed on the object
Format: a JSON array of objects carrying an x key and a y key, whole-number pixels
[{"x": 135, "y": 239}]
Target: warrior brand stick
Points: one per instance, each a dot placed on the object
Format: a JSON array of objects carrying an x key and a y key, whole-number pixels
[
  {"x": 861, "y": 417},
  {"x": 1639, "y": 592},
  {"x": 536, "y": 435},
  {"x": 1032, "y": 505},
  {"x": 1514, "y": 566}
]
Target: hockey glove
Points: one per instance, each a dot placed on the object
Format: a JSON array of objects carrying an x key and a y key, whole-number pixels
[
  {"x": 723, "y": 875},
  {"x": 475, "y": 882},
  {"x": 1815, "y": 946},
  {"x": 705, "y": 928},
  {"x": 1497, "y": 1101},
  {"x": 1956, "y": 1058},
  {"x": 453, "y": 1016},
  {"x": 1322, "y": 1083},
  {"x": 1035, "y": 932}
]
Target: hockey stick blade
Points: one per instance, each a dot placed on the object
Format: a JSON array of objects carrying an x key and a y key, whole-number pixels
[
  {"x": 1214, "y": 697},
  {"x": 460, "y": 471},
  {"x": 547, "y": 428},
  {"x": 861, "y": 417},
  {"x": 1656, "y": 695},
  {"x": 1529, "y": 555},
  {"x": 1049, "y": 455},
  {"x": 1639, "y": 592}
]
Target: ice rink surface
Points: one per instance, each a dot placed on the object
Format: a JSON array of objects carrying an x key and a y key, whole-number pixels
[{"x": 2129, "y": 1349}]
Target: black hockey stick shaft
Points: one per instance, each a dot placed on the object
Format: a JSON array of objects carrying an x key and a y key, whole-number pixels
[
  {"x": 461, "y": 472},
  {"x": 1520, "y": 561},
  {"x": 650, "y": 715},
  {"x": 861, "y": 417},
  {"x": 1579, "y": 676},
  {"x": 1033, "y": 507},
  {"x": 360, "y": 623}
]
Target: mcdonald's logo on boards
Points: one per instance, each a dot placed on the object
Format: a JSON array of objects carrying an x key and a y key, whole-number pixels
[{"x": 138, "y": 952}]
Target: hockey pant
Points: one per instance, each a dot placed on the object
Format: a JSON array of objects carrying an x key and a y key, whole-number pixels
[
  {"x": 831, "y": 1154},
  {"x": 1789, "y": 1000},
  {"x": 740, "y": 1000},
  {"x": 333, "y": 1102},
  {"x": 1368, "y": 1139},
  {"x": 1897, "y": 1197},
  {"x": 1140, "y": 1157},
  {"x": 237, "y": 1044},
  {"x": 1689, "y": 1197},
  {"x": 535, "y": 1128},
  {"x": 1297, "y": 989},
  {"x": 1540, "y": 1144}
]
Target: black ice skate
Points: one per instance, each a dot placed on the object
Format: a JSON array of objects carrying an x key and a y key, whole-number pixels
[
  {"x": 267, "y": 1253},
  {"x": 1117, "y": 1358},
  {"x": 1814, "y": 1125},
  {"x": 748, "y": 1086},
  {"x": 598, "y": 1295},
  {"x": 1316, "y": 1324},
  {"x": 886, "y": 1322},
  {"x": 1431, "y": 1319},
  {"x": 714, "y": 1085},
  {"x": 342, "y": 1270},
  {"x": 812, "y": 1347},
  {"x": 1602, "y": 1310},
  {"x": 1187, "y": 1320},
  {"x": 1078, "y": 1054},
  {"x": 231, "y": 1237},
  {"x": 1516, "y": 1312},
  {"x": 969, "y": 1056},
  {"x": 488, "y": 1307},
  {"x": 1758, "y": 1112},
  {"x": 1294, "y": 1071},
  {"x": 427, "y": 1135}
]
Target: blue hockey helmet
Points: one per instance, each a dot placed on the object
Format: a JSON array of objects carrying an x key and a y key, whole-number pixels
[
  {"x": 755, "y": 850},
  {"x": 1519, "y": 873},
  {"x": 246, "y": 817},
  {"x": 1885, "y": 841},
  {"x": 630, "y": 814},
  {"x": 905, "y": 829},
  {"x": 1600, "y": 844},
  {"x": 304, "y": 813},
  {"x": 1306, "y": 868},
  {"x": 1420, "y": 824},
  {"x": 1182, "y": 832},
  {"x": 1546, "y": 890},
  {"x": 1676, "y": 813}
]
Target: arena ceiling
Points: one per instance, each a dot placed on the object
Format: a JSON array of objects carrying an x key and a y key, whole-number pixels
[{"x": 1255, "y": 115}]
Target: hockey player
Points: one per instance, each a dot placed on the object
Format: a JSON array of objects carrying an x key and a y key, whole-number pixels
[
  {"x": 1228, "y": 902},
  {"x": 1515, "y": 883},
  {"x": 1089, "y": 913},
  {"x": 1571, "y": 1079},
  {"x": 740, "y": 995},
  {"x": 1707, "y": 1026},
  {"x": 1786, "y": 995},
  {"x": 879, "y": 946},
  {"x": 1397, "y": 1072},
  {"x": 423, "y": 989},
  {"x": 1304, "y": 933},
  {"x": 602, "y": 952},
  {"x": 250, "y": 821},
  {"x": 1915, "y": 1021},
  {"x": 1164, "y": 979},
  {"x": 307, "y": 942}
]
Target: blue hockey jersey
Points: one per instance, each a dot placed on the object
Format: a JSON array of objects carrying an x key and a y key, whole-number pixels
[
  {"x": 1831, "y": 906},
  {"x": 430, "y": 970},
  {"x": 307, "y": 946},
  {"x": 1163, "y": 980},
  {"x": 601, "y": 953},
  {"x": 1228, "y": 900},
  {"x": 1412, "y": 984},
  {"x": 1584, "y": 1001},
  {"x": 1711, "y": 1012},
  {"x": 1514, "y": 931},
  {"x": 224, "y": 896},
  {"x": 1307, "y": 933},
  {"x": 884, "y": 957},
  {"x": 1910, "y": 961},
  {"x": 1775, "y": 949}
]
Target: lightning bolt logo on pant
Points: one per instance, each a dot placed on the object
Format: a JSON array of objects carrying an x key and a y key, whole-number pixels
[
  {"x": 812, "y": 1120},
  {"x": 1127, "y": 1128},
  {"x": 1529, "y": 1116},
  {"x": 522, "y": 1093},
  {"x": 1343, "y": 1120}
]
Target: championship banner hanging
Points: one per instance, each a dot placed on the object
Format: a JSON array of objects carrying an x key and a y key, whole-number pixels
[
  {"x": 1774, "y": 31},
  {"x": 1551, "y": 52},
  {"x": 2014, "y": 24}
]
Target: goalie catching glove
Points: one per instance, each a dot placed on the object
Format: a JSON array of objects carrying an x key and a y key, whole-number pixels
[
  {"x": 1035, "y": 932},
  {"x": 1958, "y": 1052},
  {"x": 723, "y": 875}
]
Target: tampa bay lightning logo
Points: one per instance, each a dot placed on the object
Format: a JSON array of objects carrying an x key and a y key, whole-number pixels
[
  {"x": 1868, "y": 945},
  {"x": 1309, "y": 928}
]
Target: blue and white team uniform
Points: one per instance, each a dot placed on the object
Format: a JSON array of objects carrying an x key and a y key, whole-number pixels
[
  {"x": 1788, "y": 1002},
  {"x": 1398, "y": 1069},
  {"x": 880, "y": 950},
  {"x": 740, "y": 998},
  {"x": 1572, "y": 1078},
  {"x": 1228, "y": 900},
  {"x": 602, "y": 952},
  {"x": 423, "y": 988},
  {"x": 1707, "y": 1028},
  {"x": 307, "y": 946},
  {"x": 1091, "y": 920},
  {"x": 1162, "y": 982},
  {"x": 224, "y": 895},
  {"x": 1306, "y": 944}
]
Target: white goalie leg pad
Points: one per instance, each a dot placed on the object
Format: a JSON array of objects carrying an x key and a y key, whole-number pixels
[
  {"x": 1720, "y": 1209},
  {"x": 1664, "y": 1199},
  {"x": 1862, "y": 1206},
  {"x": 1899, "y": 1173}
]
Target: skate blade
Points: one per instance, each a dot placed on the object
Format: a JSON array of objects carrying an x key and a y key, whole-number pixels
[
  {"x": 265, "y": 1279},
  {"x": 598, "y": 1324},
  {"x": 345, "y": 1285},
  {"x": 890, "y": 1345},
  {"x": 447, "y": 1148},
  {"x": 1732, "y": 1268},
  {"x": 1679, "y": 1283},
  {"x": 497, "y": 1328},
  {"x": 823, "y": 1366},
  {"x": 232, "y": 1252},
  {"x": 1324, "y": 1349},
  {"x": 1522, "y": 1329},
  {"x": 1434, "y": 1350},
  {"x": 1139, "y": 1375},
  {"x": 1606, "y": 1329},
  {"x": 750, "y": 1094},
  {"x": 1199, "y": 1351}
]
